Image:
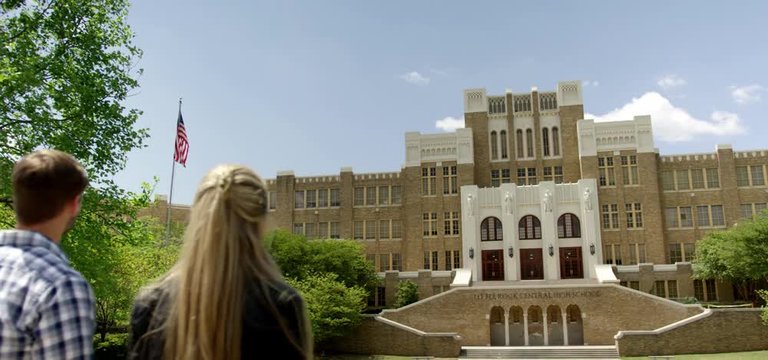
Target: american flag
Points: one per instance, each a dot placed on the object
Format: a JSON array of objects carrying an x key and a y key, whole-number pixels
[{"x": 181, "y": 150}]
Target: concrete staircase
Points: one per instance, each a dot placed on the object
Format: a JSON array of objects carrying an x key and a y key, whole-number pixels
[{"x": 539, "y": 352}]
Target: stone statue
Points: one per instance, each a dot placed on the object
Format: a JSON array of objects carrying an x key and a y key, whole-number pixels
[
  {"x": 588, "y": 199},
  {"x": 470, "y": 207},
  {"x": 509, "y": 200},
  {"x": 546, "y": 201}
]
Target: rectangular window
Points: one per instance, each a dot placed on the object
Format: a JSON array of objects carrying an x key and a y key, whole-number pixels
[
  {"x": 697, "y": 179},
  {"x": 612, "y": 254},
  {"x": 610, "y": 216},
  {"x": 322, "y": 198},
  {"x": 397, "y": 264},
  {"x": 397, "y": 229},
  {"x": 359, "y": 196},
  {"x": 606, "y": 171},
  {"x": 686, "y": 217},
  {"x": 713, "y": 179},
  {"x": 452, "y": 259},
  {"x": 309, "y": 230},
  {"x": 672, "y": 289},
  {"x": 759, "y": 207},
  {"x": 553, "y": 173},
  {"x": 495, "y": 178},
  {"x": 370, "y": 196},
  {"x": 451, "y": 222},
  {"x": 718, "y": 218},
  {"x": 742, "y": 176},
  {"x": 430, "y": 224},
  {"x": 322, "y": 230},
  {"x": 710, "y": 215},
  {"x": 689, "y": 252},
  {"x": 756, "y": 172},
  {"x": 683, "y": 182},
  {"x": 746, "y": 211},
  {"x": 670, "y": 215},
  {"x": 272, "y": 200},
  {"x": 335, "y": 198},
  {"x": 710, "y": 290},
  {"x": 558, "y": 174},
  {"x": 636, "y": 254},
  {"x": 298, "y": 228},
  {"x": 698, "y": 290},
  {"x": 383, "y": 195},
  {"x": 668, "y": 180},
  {"x": 505, "y": 178},
  {"x": 384, "y": 262},
  {"x": 299, "y": 200},
  {"x": 659, "y": 288},
  {"x": 526, "y": 176},
  {"x": 370, "y": 229},
  {"x": 311, "y": 199},
  {"x": 396, "y": 195},
  {"x": 430, "y": 260},
  {"x": 674, "y": 253},
  {"x": 629, "y": 169},
  {"x": 358, "y": 231},
  {"x": 384, "y": 229},
  {"x": 428, "y": 178},
  {"x": 335, "y": 234},
  {"x": 634, "y": 215},
  {"x": 450, "y": 180},
  {"x": 702, "y": 216}
]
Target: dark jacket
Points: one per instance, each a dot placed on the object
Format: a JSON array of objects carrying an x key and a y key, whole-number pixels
[{"x": 262, "y": 333}]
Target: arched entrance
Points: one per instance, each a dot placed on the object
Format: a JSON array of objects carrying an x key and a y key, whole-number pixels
[
  {"x": 497, "y": 326},
  {"x": 575, "y": 326},
  {"x": 535, "y": 326},
  {"x": 516, "y": 330},
  {"x": 554, "y": 325}
]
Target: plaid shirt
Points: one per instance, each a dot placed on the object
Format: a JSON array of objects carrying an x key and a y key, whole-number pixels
[{"x": 46, "y": 307}]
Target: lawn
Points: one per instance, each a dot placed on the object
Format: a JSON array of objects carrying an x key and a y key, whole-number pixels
[{"x": 724, "y": 356}]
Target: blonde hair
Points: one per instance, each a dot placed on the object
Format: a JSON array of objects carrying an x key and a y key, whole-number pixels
[{"x": 222, "y": 252}]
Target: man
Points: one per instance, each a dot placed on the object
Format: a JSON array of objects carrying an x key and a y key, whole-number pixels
[{"x": 46, "y": 307}]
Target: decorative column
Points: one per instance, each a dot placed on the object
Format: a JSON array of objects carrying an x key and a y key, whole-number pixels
[
  {"x": 546, "y": 329},
  {"x": 506, "y": 328},
  {"x": 565, "y": 329},
  {"x": 525, "y": 327}
]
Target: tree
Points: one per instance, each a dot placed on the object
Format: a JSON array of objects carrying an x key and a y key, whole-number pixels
[
  {"x": 334, "y": 308},
  {"x": 738, "y": 255},
  {"x": 66, "y": 67},
  {"x": 407, "y": 293}
]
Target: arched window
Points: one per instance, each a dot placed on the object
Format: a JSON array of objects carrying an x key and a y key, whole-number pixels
[
  {"x": 555, "y": 141},
  {"x": 494, "y": 146},
  {"x": 530, "y": 228},
  {"x": 490, "y": 229},
  {"x": 503, "y": 139},
  {"x": 529, "y": 142},
  {"x": 545, "y": 141},
  {"x": 568, "y": 226},
  {"x": 520, "y": 153}
]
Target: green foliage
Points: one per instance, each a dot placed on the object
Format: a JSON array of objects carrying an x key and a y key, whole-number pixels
[
  {"x": 298, "y": 258},
  {"x": 113, "y": 346},
  {"x": 332, "y": 275},
  {"x": 334, "y": 308},
  {"x": 764, "y": 294},
  {"x": 737, "y": 254},
  {"x": 407, "y": 293}
]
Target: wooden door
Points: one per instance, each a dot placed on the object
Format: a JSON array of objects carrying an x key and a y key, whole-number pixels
[
  {"x": 531, "y": 264},
  {"x": 571, "y": 266},
  {"x": 493, "y": 265}
]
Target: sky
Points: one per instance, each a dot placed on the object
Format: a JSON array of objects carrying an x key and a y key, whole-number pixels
[{"x": 314, "y": 86}]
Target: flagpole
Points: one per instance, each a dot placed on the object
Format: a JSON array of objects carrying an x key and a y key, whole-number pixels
[{"x": 170, "y": 193}]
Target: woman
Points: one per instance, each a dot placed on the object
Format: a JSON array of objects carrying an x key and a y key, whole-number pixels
[{"x": 224, "y": 298}]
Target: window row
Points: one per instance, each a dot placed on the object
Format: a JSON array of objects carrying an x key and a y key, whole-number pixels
[
  {"x": 705, "y": 290},
  {"x": 665, "y": 288},
  {"x": 550, "y": 148},
  {"x": 690, "y": 179},
  {"x": 529, "y": 227},
  {"x": 749, "y": 211},
  {"x": 612, "y": 254},
  {"x": 526, "y": 176},
  {"x": 377, "y": 229},
  {"x": 385, "y": 262},
  {"x": 317, "y": 198},
  {"x": 429, "y": 180},
  {"x": 753, "y": 175},
  {"x": 607, "y": 173},
  {"x": 706, "y": 216},
  {"x": 632, "y": 211},
  {"x": 451, "y": 221},
  {"x": 680, "y": 252},
  {"x": 318, "y": 230},
  {"x": 452, "y": 260},
  {"x": 382, "y": 195}
]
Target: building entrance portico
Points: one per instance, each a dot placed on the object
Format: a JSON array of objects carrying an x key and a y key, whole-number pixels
[{"x": 532, "y": 326}]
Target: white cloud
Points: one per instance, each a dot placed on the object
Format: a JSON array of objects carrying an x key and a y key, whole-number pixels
[
  {"x": 746, "y": 94},
  {"x": 671, "y": 123},
  {"x": 415, "y": 78},
  {"x": 670, "y": 81},
  {"x": 449, "y": 124},
  {"x": 594, "y": 83}
]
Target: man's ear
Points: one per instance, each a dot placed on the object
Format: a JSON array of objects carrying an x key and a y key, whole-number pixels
[{"x": 73, "y": 206}]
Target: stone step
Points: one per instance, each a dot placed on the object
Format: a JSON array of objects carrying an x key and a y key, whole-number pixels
[{"x": 539, "y": 352}]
